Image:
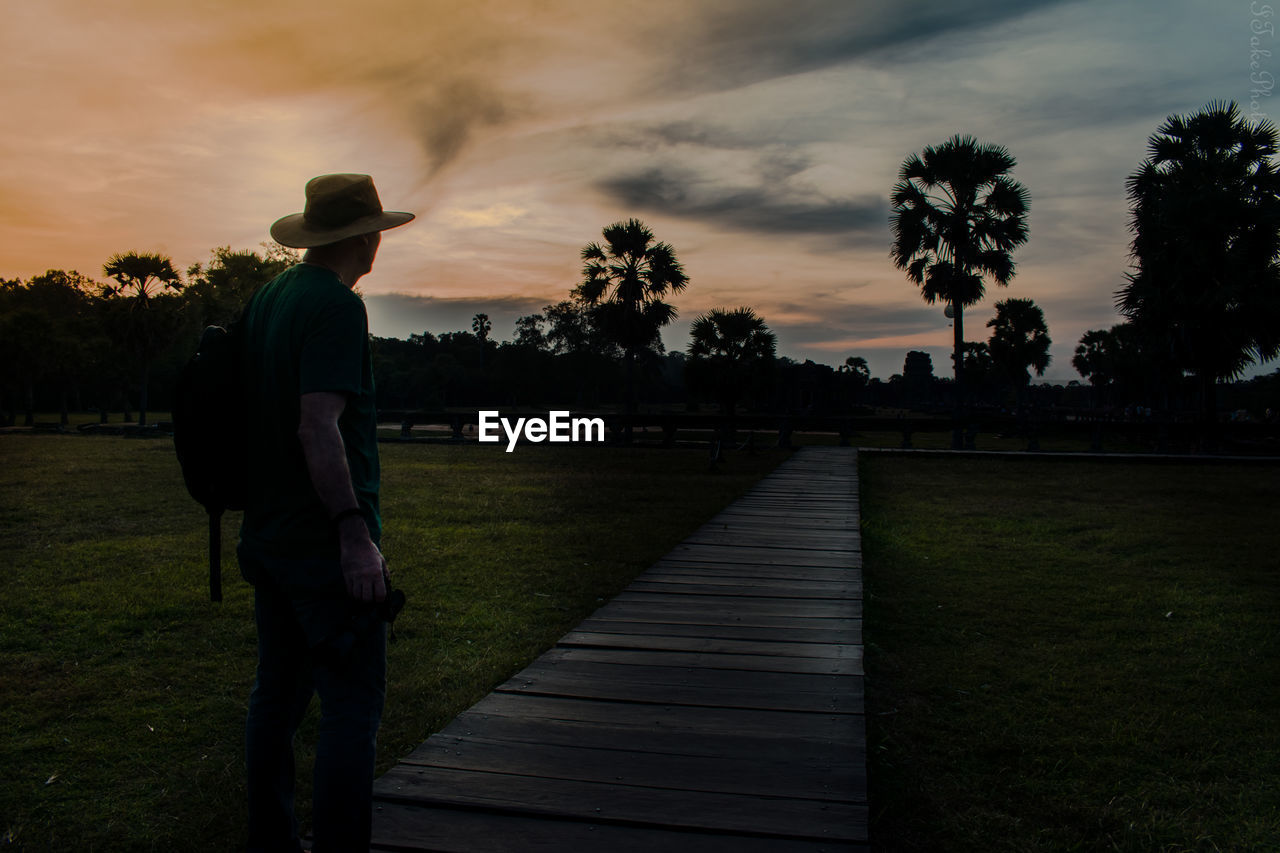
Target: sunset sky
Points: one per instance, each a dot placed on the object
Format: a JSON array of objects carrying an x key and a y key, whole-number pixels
[{"x": 760, "y": 138}]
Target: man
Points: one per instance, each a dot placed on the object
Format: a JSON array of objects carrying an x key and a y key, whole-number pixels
[{"x": 310, "y": 538}]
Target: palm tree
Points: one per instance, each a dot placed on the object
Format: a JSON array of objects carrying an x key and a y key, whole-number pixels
[
  {"x": 1205, "y": 211},
  {"x": 624, "y": 281},
  {"x": 726, "y": 349},
  {"x": 140, "y": 275},
  {"x": 481, "y": 326},
  {"x": 1019, "y": 340},
  {"x": 957, "y": 217},
  {"x": 857, "y": 373},
  {"x": 1112, "y": 361},
  {"x": 144, "y": 329}
]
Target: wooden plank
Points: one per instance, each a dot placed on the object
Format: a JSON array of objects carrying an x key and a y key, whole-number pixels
[
  {"x": 774, "y": 512},
  {"x": 790, "y": 506},
  {"x": 793, "y": 506},
  {"x": 674, "y": 719},
  {"x": 770, "y": 547},
  {"x": 728, "y": 577},
  {"x": 746, "y": 507},
  {"x": 774, "y": 532},
  {"x": 780, "y": 691},
  {"x": 673, "y": 609},
  {"x": 744, "y": 662},
  {"x": 843, "y": 741},
  {"x": 781, "y": 816},
  {"x": 777, "y": 541},
  {"x": 780, "y": 512},
  {"x": 721, "y": 605},
  {"x": 403, "y": 827},
  {"x": 788, "y": 542},
  {"x": 791, "y": 634},
  {"x": 706, "y": 553},
  {"x": 780, "y": 590},
  {"x": 715, "y": 645},
  {"x": 748, "y": 571},
  {"x": 835, "y": 777},
  {"x": 794, "y": 495}
]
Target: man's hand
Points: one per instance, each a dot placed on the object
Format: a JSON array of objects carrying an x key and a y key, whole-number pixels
[{"x": 362, "y": 563}]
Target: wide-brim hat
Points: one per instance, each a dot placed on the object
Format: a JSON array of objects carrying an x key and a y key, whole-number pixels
[{"x": 338, "y": 207}]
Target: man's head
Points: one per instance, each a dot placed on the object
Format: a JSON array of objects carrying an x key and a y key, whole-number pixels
[{"x": 338, "y": 207}]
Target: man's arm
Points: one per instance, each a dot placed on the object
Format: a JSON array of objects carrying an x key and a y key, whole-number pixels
[{"x": 362, "y": 562}]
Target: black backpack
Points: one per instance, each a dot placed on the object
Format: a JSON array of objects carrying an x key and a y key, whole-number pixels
[{"x": 209, "y": 434}]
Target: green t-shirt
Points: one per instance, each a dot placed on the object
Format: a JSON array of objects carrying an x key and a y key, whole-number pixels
[{"x": 305, "y": 331}]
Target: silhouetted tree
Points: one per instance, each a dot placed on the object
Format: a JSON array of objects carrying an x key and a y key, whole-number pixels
[
  {"x": 148, "y": 317},
  {"x": 139, "y": 275},
  {"x": 856, "y": 365},
  {"x": 625, "y": 280},
  {"x": 980, "y": 372},
  {"x": 49, "y": 335},
  {"x": 1019, "y": 340},
  {"x": 481, "y": 326},
  {"x": 1111, "y": 360},
  {"x": 857, "y": 374},
  {"x": 571, "y": 329},
  {"x": 221, "y": 289},
  {"x": 729, "y": 353},
  {"x": 529, "y": 332},
  {"x": 957, "y": 217},
  {"x": 1205, "y": 209},
  {"x": 917, "y": 376}
]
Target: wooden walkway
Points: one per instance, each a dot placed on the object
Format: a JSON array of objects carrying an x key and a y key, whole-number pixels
[{"x": 715, "y": 705}]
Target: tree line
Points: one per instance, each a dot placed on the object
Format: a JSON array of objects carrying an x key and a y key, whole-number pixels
[
  {"x": 1201, "y": 303},
  {"x": 71, "y": 343}
]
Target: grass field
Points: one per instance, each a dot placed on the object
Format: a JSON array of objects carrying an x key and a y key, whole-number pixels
[
  {"x": 1060, "y": 655},
  {"x": 1072, "y": 655},
  {"x": 122, "y": 688}
]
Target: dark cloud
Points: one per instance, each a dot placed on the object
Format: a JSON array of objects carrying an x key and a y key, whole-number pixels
[
  {"x": 773, "y": 206},
  {"x": 841, "y": 319},
  {"x": 450, "y": 113},
  {"x": 752, "y": 40}
]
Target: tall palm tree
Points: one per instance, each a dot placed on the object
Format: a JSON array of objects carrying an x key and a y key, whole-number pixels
[
  {"x": 481, "y": 325},
  {"x": 957, "y": 217},
  {"x": 145, "y": 328},
  {"x": 1205, "y": 209},
  {"x": 726, "y": 348},
  {"x": 625, "y": 280}
]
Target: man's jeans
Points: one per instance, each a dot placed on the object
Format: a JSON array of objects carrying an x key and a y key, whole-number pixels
[{"x": 312, "y": 639}]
